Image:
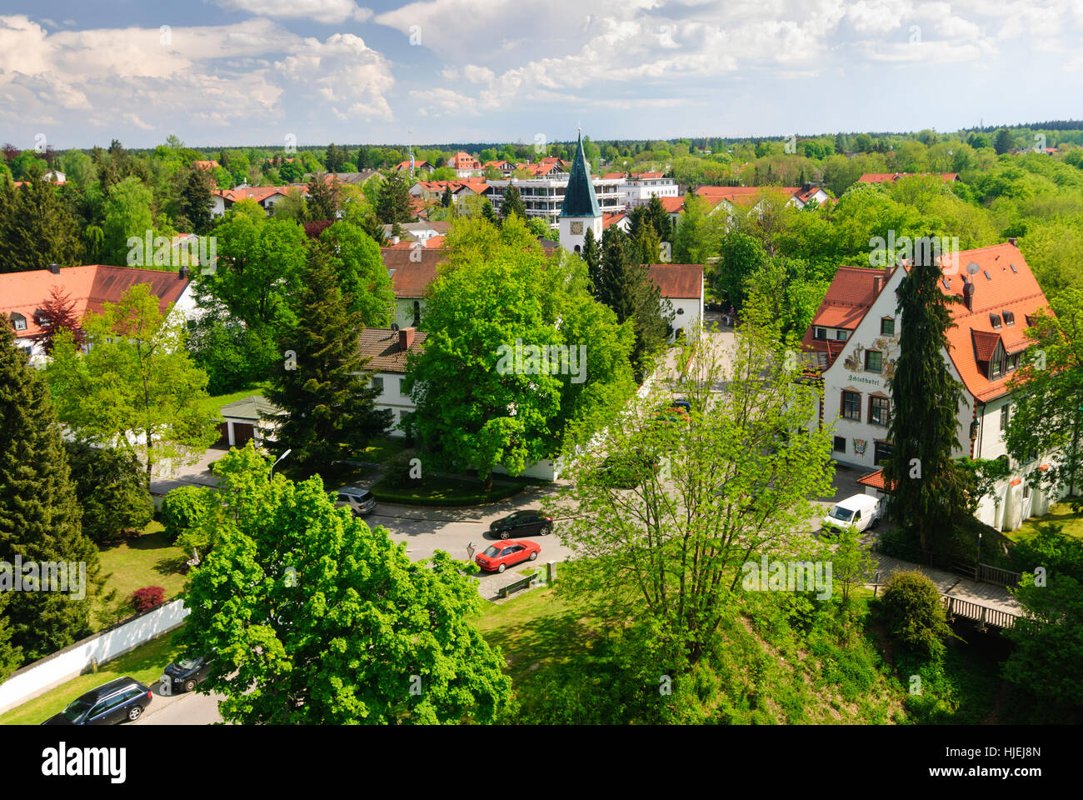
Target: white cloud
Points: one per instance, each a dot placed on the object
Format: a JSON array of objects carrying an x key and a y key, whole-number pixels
[
  {"x": 352, "y": 79},
  {"x": 330, "y": 12}
]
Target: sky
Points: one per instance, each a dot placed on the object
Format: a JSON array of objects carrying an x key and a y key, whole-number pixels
[{"x": 269, "y": 72}]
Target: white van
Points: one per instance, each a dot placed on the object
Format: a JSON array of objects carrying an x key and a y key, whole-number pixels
[{"x": 861, "y": 510}]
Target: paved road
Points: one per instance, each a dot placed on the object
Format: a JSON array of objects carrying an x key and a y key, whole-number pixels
[{"x": 182, "y": 709}]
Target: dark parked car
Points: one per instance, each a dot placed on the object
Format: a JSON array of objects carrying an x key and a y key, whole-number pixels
[
  {"x": 522, "y": 523},
  {"x": 122, "y": 700},
  {"x": 184, "y": 675}
]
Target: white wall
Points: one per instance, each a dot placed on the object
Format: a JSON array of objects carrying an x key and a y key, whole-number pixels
[
  {"x": 687, "y": 315},
  {"x": 392, "y": 398},
  {"x": 404, "y": 312},
  {"x": 39, "y": 677}
]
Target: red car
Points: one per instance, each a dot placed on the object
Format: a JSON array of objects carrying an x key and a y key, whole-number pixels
[{"x": 498, "y": 557}]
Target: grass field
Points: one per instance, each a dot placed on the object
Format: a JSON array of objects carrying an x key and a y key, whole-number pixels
[
  {"x": 149, "y": 560},
  {"x": 1061, "y": 513}
]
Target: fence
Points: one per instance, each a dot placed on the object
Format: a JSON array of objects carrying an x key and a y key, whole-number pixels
[
  {"x": 985, "y": 616},
  {"x": 37, "y": 678}
]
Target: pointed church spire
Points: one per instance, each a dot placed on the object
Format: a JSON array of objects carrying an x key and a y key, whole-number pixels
[{"x": 579, "y": 198}]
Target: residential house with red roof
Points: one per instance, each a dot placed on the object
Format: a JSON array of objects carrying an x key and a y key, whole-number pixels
[
  {"x": 731, "y": 198},
  {"x": 891, "y": 177},
  {"x": 853, "y": 343},
  {"x": 266, "y": 196},
  {"x": 386, "y": 350},
  {"x": 682, "y": 286},
  {"x": 464, "y": 164},
  {"x": 90, "y": 287},
  {"x": 412, "y": 269}
]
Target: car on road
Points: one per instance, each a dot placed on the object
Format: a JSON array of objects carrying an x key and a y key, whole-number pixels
[
  {"x": 498, "y": 557},
  {"x": 184, "y": 675},
  {"x": 120, "y": 700},
  {"x": 862, "y": 511},
  {"x": 529, "y": 522},
  {"x": 358, "y": 499}
]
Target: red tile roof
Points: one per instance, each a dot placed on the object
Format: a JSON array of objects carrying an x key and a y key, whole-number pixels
[
  {"x": 743, "y": 195},
  {"x": 647, "y": 175},
  {"x": 90, "y": 288},
  {"x": 257, "y": 193},
  {"x": 384, "y": 351},
  {"x": 874, "y": 479},
  {"x": 672, "y": 205},
  {"x": 205, "y": 165},
  {"x": 848, "y": 299},
  {"x": 611, "y": 218},
  {"x": 410, "y": 276},
  {"x": 678, "y": 281}
]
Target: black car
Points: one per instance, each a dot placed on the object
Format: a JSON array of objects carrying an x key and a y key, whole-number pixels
[
  {"x": 522, "y": 523},
  {"x": 184, "y": 675},
  {"x": 122, "y": 700}
]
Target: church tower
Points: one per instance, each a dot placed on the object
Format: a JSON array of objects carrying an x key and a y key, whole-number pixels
[{"x": 580, "y": 211}]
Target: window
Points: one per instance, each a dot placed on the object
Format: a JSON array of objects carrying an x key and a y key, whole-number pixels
[
  {"x": 851, "y": 405},
  {"x": 417, "y": 313},
  {"x": 1005, "y": 413},
  {"x": 1013, "y": 363},
  {"x": 874, "y": 361},
  {"x": 996, "y": 366},
  {"x": 994, "y": 320},
  {"x": 879, "y": 410},
  {"x": 887, "y": 326},
  {"x": 1026, "y": 489},
  {"x": 882, "y": 452},
  {"x": 1009, "y": 317},
  {"x": 840, "y": 444},
  {"x": 378, "y": 383},
  {"x": 18, "y": 321},
  {"x": 820, "y": 333},
  {"x": 842, "y": 336}
]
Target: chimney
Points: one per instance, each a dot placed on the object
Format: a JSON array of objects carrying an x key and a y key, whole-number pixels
[
  {"x": 1011, "y": 241},
  {"x": 406, "y": 338},
  {"x": 968, "y": 293},
  {"x": 54, "y": 268},
  {"x": 182, "y": 273}
]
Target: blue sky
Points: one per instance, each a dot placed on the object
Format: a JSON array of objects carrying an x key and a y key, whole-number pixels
[{"x": 230, "y": 72}]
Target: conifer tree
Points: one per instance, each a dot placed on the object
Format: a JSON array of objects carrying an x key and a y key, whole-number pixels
[
  {"x": 513, "y": 204},
  {"x": 40, "y": 520}
]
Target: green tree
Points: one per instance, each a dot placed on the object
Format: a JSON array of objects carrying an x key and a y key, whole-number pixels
[
  {"x": 513, "y": 204},
  {"x": 729, "y": 484},
  {"x": 323, "y": 197},
  {"x": 852, "y": 563},
  {"x": 326, "y": 392},
  {"x": 447, "y": 198},
  {"x": 393, "y": 205},
  {"x": 10, "y": 654},
  {"x": 362, "y": 276},
  {"x": 1047, "y": 399},
  {"x": 914, "y": 614},
  {"x": 698, "y": 236},
  {"x": 37, "y": 227},
  {"x": 111, "y": 491},
  {"x": 137, "y": 388},
  {"x": 929, "y": 489},
  {"x": 741, "y": 256},
  {"x": 196, "y": 201},
  {"x": 127, "y": 213},
  {"x": 592, "y": 255},
  {"x": 318, "y": 620},
  {"x": 1004, "y": 142},
  {"x": 39, "y": 513}
]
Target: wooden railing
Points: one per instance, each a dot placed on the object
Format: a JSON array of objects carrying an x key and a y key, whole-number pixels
[{"x": 985, "y": 616}]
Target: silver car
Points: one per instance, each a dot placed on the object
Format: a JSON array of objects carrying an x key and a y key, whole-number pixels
[{"x": 359, "y": 500}]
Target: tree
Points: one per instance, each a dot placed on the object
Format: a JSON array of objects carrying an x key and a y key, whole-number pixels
[
  {"x": 1004, "y": 142},
  {"x": 319, "y": 620},
  {"x": 929, "y": 489},
  {"x": 184, "y": 510},
  {"x": 110, "y": 488},
  {"x": 59, "y": 315},
  {"x": 484, "y": 396},
  {"x": 326, "y": 392},
  {"x": 393, "y": 204},
  {"x": 196, "y": 201},
  {"x": 10, "y": 654},
  {"x": 447, "y": 199},
  {"x": 626, "y": 287},
  {"x": 362, "y": 276},
  {"x": 852, "y": 563},
  {"x": 592, "y": 255},
  {"x": 728, "y": 484},
  {"x": 914, "y": 614},
  {"x": 137, "y": 388},
  {"x": 37, "y": 227},
  {"x": 1047, "y": 399},
  {"x": 698, "y": 235},
  {"x": 741, "y": 256},
  {"x": 323, "y": 199},
  {"x": 127, "y": 214},
  {"x": 39, "y": 514},
  {"x": 513, "y": 204}
]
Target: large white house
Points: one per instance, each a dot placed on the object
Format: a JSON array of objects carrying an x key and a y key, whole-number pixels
[
  {"x": 854, "y": 343},
  {"x": 386, "y": 351}
]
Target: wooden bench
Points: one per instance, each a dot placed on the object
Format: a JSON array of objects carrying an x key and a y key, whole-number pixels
[{"x": 523, "y": 583}]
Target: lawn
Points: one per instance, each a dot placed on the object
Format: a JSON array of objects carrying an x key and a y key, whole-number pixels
[
  {"x": 1060, "y": 513},
  {"x": 382, "y": 449},
  {"x": 149, "y": 560},
  {"x": 216, "y": 403},
  {"x": 145, "y": 663}
]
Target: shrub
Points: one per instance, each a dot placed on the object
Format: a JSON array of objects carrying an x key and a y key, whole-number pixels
[
  {"x": 112, "y": 491},
  {"x": 183, "y": 508},
  {"x": 147, "y": 598},
  {"x": 914, "y": 614}
]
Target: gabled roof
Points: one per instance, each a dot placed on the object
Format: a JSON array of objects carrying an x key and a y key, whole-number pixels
[
  {"x": 412, "y": 270},
  {"x": 848, "y": 299},
  {"x": 678, "y": 281},
  {"x": 251, "y": 409},
  {"x": 89, "y": 287},
  {"x": 613, "y": 218},
  {"x": 384, "y": 351},
  {"x": 672, "y": 205},
  {"x": 742, "y": 195},
  {"x": 257, "y": 193},
  {"x": 579, "y": 198}
]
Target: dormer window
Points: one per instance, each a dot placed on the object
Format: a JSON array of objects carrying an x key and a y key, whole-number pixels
[
  {"x": 841, "y": 335},
  {"x": 820, "y": 333},
  {"x": 994, "y": 320},
  {"x": 18, "y": 321},
  {"x": 41, "y": 317},
  {"x": 1009, "y": 317}
]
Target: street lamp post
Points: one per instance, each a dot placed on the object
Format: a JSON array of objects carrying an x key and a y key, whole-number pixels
[{"x": 269, "y": 474}]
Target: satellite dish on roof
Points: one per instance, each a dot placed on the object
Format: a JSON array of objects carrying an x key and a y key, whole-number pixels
[
  {"x": 394, "y": 326},
  {"x": 973, "y": 268}
]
